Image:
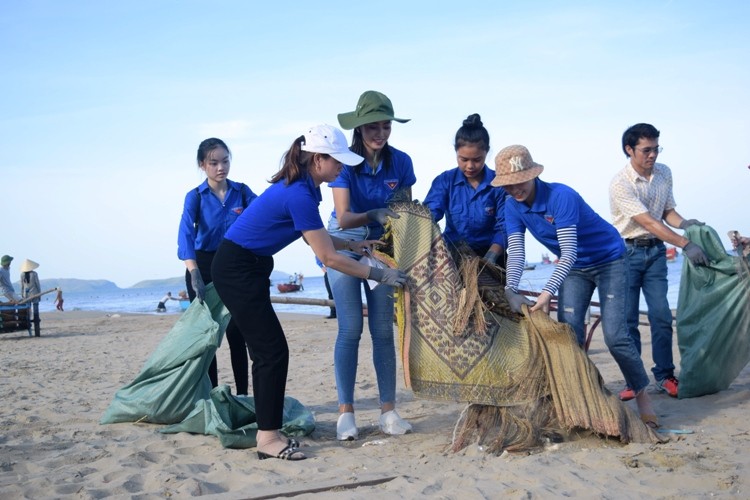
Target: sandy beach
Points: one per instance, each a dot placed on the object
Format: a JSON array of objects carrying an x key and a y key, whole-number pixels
[{"x": 55, "y": 388}]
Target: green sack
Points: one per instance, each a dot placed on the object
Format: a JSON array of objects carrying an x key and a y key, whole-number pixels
[
  {"x": 175, "y": 377},
  {"x": 713, "y": 317},
  {"x": 232, "y": 419}
]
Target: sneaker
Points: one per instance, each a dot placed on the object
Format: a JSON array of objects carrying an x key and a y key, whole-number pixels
[
  {"x": 346, "y": 428},
  {"x": 392, "y": 424},
  {"x": 627, "y": 394},
  {"x": 668, "y": 385}
]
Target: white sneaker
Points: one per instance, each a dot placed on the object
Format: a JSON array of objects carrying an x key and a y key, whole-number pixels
[
  {"x": 346, "y": 428},
  {"x": 391, "y": 423}
]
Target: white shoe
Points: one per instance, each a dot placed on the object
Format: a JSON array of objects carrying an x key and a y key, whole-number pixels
[
  {"x": 391, "y": 423},
  {"x": 346, "y": 428}
]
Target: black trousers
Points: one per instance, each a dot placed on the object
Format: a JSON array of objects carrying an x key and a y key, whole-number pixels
[
  {"x": 242, "y": 280},
  {"x": 237, "y": 346}
]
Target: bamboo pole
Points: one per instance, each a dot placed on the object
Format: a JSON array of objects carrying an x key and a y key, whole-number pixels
[
  {"x": 32, "y": 297},
  {"x": 307, "y": 301}
]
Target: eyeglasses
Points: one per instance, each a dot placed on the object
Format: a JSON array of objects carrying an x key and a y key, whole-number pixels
[{"x": 648, "y": 151}]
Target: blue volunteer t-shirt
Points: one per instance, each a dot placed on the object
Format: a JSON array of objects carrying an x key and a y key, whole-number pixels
[
  {"x": 212, "y": 216},
  {"x": 277, "y": 217},
  {"x": 369, "y": 190},
  {"x": 557, "y": 205},
  {"x": 476, "y": 216}
]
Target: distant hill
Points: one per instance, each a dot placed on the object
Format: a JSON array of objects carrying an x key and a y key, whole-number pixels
[
  {"x": 170, "y": 283},
  {"x": 76, "y": 285},
  {"x": 73, "y": 285}
]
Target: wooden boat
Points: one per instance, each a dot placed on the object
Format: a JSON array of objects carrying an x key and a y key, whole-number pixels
[
  {"x": 288, "y": 287},
  {"x": 671, "y": 254},
  {"x": 529, "y": 267}
]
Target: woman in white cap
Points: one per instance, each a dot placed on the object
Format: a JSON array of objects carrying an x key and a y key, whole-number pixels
[
  {"x": 30, "y": 284},
  {"x": 361, "y": 194},
  {"x": 242, "y": 267},
  {"x": 592, "y": 255}
]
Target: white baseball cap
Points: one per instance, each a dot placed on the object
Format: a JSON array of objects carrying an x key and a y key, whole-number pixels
[{"x": 330, "y": 140}]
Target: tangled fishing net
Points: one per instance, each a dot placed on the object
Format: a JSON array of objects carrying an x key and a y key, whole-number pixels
[{"x": 524, "y": 377}]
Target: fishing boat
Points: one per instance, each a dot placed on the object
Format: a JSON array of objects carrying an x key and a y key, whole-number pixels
[
  {"x": 529, "y": 267},
  {"x": 288, "y": 287},
  {"x": 671, "y": 254},
  {"x": 545, "y": 259}
]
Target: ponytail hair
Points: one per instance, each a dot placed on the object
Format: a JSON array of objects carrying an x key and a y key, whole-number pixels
[
  {"x": 294, "y": 164},
  {"x": 472, "y": 132}
]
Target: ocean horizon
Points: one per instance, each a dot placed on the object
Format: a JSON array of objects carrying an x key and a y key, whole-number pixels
[{"x": 144, "y": 300}]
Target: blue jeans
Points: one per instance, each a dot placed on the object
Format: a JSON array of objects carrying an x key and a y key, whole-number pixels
[
  {"x": 574, "y": 298},
  {"x": 347, "y": 295},
  {"x": 648, "y": 272}
]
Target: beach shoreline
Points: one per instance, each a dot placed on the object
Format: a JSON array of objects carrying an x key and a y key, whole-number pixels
[{"x": 56, "y": 388}]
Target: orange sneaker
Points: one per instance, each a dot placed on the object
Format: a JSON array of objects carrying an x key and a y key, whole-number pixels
[
  {"x": 668, "y": 385},
  {"x": 627, "y": 394}
]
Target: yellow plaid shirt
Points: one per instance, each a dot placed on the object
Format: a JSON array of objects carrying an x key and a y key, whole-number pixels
[{"x": 631, "y": 194}]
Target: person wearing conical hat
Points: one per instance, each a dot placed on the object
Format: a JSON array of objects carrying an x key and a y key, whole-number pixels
[
  {"x": 30, "y": 280},
  {"x": 6, "y": 286}
]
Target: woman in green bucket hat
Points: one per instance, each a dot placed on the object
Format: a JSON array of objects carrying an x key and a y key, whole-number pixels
[{"x": 361, "y": 194}]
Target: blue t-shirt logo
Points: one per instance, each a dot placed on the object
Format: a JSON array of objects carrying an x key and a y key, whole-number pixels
[{"x": 391, "y": 183}]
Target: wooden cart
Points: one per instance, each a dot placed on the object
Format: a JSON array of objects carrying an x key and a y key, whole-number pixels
[{"x": 19, "y": 317}]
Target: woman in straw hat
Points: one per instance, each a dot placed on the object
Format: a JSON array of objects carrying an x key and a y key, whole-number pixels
[
  {"x": 286, "y": 211},
  {"x": 474, "y": 210},
  {"x": 30, "y": 284},
  {"x": 592, "y": 255},
  {"x": 361, "y": 194},
  {"x": 209, "y": 210}
]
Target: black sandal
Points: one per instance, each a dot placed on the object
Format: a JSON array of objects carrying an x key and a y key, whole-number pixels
[{"x": 288, "y": 453}]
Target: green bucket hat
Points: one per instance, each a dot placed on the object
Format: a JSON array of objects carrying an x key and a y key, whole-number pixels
[
  {"x": 6, "y": 260},
  {"x": 372, "y": 107}
]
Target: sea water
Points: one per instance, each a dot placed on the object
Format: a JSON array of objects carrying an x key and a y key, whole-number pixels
[{"x": 144, "y": 300}]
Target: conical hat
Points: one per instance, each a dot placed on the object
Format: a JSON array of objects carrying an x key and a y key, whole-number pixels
[{"x": 28, "y": 265}]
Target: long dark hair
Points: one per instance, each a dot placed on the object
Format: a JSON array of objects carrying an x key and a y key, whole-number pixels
[
  {"x": 295, "y": 163},
  {"x": 358, "y": 146}
]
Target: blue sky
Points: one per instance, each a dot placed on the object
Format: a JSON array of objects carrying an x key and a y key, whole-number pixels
[{"x": 104, "y": 103}]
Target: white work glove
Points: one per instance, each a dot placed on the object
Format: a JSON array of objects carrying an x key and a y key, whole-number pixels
[
  {"x": 388, "y": 276},
  {"x": 380, "y": 215},
  {"x": 516, "y": 300},
  {"x": 196, "y": 281}
]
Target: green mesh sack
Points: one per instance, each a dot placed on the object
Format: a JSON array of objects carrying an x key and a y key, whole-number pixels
[
  {"x": 713, "y": 317},
  {"x": 232, "y": 419},
  {"x": 175, "y": 377}
]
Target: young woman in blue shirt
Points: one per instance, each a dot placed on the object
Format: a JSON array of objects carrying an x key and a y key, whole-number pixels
[
  {"x": 286, "y": 211},
  {"x": 209, "y": 210},
  {"x": 361, "y": 194},
  {"x": 474, "y": 211},
  {"x": 592, "y": 255}
]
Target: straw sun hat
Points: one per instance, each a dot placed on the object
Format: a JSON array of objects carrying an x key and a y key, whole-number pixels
[
  {"x": 513, "y": 165},
  {"x": 28, "y": 265}
]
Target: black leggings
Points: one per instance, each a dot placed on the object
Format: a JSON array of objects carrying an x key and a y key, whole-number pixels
[
  {"x": 237, "y": 347},
  {"x": 242, "y": 280}
]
